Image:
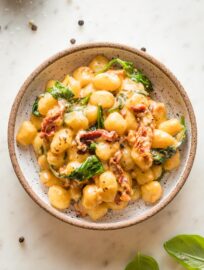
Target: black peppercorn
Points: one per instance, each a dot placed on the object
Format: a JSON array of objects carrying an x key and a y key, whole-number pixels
[
  {"x": 72, "y": 41},
  {"x": 143, "y": 49},
  {"x": 33, "y": 26},
  {"x": 80, "y": 22},
  {"x": 21, "y": 239}
]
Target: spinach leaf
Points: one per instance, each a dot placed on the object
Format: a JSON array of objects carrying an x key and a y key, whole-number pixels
[
  {"x": 160, "y": 155},
  {"x": 60, "y": 91},
  {"x": 127, "y": 66},
  {"x": 100, "y": 119},
  {"x": 92, "y": 128},
  {"x": 89, "y": 168},
  {"x": 92, "y": 147},
  {"x": 142, "y": 262},
  {"x": 81, "y": 101},
  {"x": 138, "y": 76},
  {"x": 181, "y": 136},
  {"x": 77, "y": 104},
  {"x": 84, "y": 101},
  {"x": 131, "y": 72},
  {"x": 120, "y": 101},
  {"x": 35, "y": 108},
  {"x": 188, "y": 250}
]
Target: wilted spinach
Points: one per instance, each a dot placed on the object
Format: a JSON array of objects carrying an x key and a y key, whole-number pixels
[{"x": 131, "y": 72}]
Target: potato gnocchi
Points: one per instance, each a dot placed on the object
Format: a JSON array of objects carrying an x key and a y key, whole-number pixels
[{"x": 101, "y": 141}]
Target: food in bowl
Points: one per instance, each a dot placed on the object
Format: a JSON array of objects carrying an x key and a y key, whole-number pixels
[{"x": 101, "y": 140}]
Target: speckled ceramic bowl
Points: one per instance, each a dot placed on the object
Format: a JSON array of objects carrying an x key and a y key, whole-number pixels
[{"x": 167, "y": 90}]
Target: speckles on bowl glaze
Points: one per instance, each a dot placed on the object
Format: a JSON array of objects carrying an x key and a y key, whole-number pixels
[{"x": 167, "y": 90}]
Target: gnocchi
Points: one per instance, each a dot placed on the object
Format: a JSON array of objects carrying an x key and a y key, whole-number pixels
[
  {"x": 48, "y": 179},
  {"x": 100, "y": 139},
  {"x": 61, "y": 141},
  {"x": 108, "y": 81},
  {"x": 59, "y": 197},
  {"x": 26, "y": 133},
  {"x": 172, "y": 126},
  {"x": 161, "y": 139},
  {"x": 98, "y": 63},
  {"x": 83, "y": 75},
  {"x": 102, "y": 98},
  {"x": 108, "y": 185},
  {"x": 73, "y": 84},
  {"x": 46, "y": 102},
  {"x": 151, "y": 192},
  {"x": 173, "y": 162},
  {"x": 115, "y": 122},
  {"x": 76, "y": 120}
]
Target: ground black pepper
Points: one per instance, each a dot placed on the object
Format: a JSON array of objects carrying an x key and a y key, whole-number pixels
[
  {"x": 81, "y": 22},
  {"x": 143, "y": 49},
  {"x": 72, "y": 41},
  {"x": 21, "y": 239}
]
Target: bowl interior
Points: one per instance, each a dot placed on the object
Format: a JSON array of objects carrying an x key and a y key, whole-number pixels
[{"x": 165, "y": 91}]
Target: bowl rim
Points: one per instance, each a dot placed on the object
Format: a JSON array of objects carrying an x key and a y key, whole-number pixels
[{"x": 82, "y": 223}]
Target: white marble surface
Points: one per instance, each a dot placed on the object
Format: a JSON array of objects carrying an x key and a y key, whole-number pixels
[{"x": 172, "y": 31}]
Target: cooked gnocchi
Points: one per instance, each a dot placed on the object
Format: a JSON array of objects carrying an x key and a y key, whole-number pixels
[{"x": 100, "y": 139}]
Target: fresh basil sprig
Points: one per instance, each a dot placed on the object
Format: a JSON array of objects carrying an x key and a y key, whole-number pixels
[
  {"x": 188, "y": 250},
  {"x": 131, "y": 72},
  {"x": 35, "y": 108},
  {"x": 142, "y": 262},
  {"x": 60, "y": 91}
]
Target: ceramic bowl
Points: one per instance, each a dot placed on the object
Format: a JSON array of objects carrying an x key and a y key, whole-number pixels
[{"x": 167, "y": 89}]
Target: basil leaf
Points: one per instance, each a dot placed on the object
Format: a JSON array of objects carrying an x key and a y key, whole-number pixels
[
  {"x": 131, "y": 72},
  {"x": 89, "y": 168},
  {"x": 160, "y": 155},
  {"x": 188, "y": 250},
  {"x": 35, "y": 108},
  {"x": 60, "y": 91},
  {"x": 142, "y": 262}
]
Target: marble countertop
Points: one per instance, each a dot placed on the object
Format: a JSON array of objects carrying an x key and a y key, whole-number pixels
[{"x": 172, "y": 31}]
